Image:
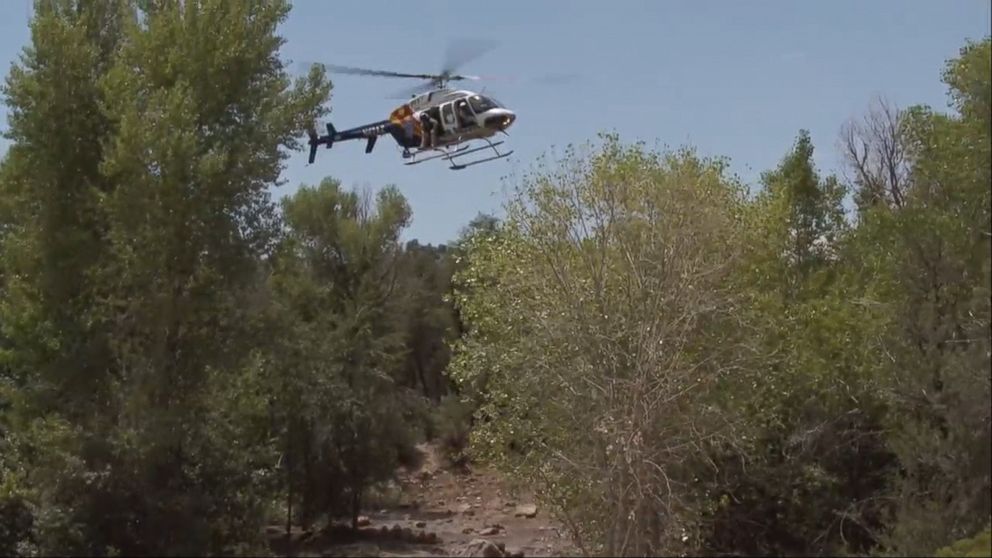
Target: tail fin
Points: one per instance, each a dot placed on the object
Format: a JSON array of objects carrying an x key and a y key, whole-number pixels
[{"x": 316, "y": 140}]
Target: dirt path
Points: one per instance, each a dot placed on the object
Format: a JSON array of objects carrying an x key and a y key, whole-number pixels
[{"x": 442, "y": 513}]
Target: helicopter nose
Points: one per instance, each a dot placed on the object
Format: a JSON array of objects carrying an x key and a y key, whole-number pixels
[
  {"x": 508, "y": 119},
  {"x": 500, "y": 119}
]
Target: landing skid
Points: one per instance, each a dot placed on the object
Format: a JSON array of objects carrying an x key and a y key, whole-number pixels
[
  {"x": 441, "y": 153},
  {"x": 464, "y": 150}
]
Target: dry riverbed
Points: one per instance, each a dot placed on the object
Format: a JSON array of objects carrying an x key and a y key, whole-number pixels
[{"x": 439, "y": 512}]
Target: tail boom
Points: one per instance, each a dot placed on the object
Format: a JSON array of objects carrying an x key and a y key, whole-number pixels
[{"x": 369, "y": 132}]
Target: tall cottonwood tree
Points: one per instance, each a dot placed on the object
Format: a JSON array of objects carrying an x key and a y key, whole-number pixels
[
  {"x": 146, "y": 135},
  {"x": 54, "y": 228},
  {"x": 56, "y": 372}
]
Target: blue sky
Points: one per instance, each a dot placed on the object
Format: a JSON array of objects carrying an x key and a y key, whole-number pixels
[{"x": 734, "y": 79}]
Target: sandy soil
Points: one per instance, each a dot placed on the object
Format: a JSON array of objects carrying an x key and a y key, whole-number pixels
[{"x": 439, "y": 513}]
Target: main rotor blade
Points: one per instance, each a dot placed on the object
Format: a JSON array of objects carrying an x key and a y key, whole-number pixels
[
  {"x": 366, "y": 72},
  {"x": 462, "y": 51}
]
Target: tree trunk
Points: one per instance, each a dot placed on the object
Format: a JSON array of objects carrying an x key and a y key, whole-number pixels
[
  {"x": 307, "y": 511},
  {"x": 356, "y": 501},
  {"x": 420, "y": 373},
  {"x": 289, "y": 481}
]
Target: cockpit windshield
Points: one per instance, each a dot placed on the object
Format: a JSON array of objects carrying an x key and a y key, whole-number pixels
[{"x": 481, "y": 103}]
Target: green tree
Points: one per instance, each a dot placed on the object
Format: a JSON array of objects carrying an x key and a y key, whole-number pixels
[
  {"x": 425, "y": 277},
  {"x": 804, "y": 476},
  {"x": 588, "y": 315},
  {"x": 55, "y": 366},
  {"x": 798, "y": 220},
  {"x": 53, "y": 226},
  {"x": 935, "y": 268},
  {"x": 145, "y": 138},
  {"x": 338, "y": 372}
]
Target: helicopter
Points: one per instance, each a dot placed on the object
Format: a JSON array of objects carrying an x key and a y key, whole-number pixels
[{"x": 458, "y": 116}]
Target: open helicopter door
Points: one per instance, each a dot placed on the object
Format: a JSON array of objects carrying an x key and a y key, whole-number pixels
[{"x": 448, "y": 118}]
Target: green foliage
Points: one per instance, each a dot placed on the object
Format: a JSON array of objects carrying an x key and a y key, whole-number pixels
[
  {"x": 587, "y": 315},
  {"x": 428, "y": 320},
  {"x": 830, "y": 376},
  {"x": 972, "y": 547},
  {"x": 136, "y": 212},
  {"x": 803, "y": 475},
  {"x": 936, "y": 270},
  {"x": 451, "y": 424},
  {"x": 676, "y": 367},
  {"x": 336, "y": 375}
]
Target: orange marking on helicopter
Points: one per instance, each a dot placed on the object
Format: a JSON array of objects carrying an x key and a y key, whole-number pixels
[{"x": 401, "y": 114}]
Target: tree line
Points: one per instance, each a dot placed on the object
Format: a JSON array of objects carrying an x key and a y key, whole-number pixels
[
  {"x": 181, "y": 358},
  {"x": 681, "y": 365},
  {"x": 675, "y": 363}
]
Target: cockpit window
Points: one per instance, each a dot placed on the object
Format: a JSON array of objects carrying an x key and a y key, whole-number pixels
[{"x": 481, "y": 103}]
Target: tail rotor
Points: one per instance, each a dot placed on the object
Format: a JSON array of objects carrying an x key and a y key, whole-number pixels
[{"x": 316, "y": 140}]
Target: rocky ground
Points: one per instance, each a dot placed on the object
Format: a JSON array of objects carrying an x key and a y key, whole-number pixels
[{"x": 439, "y": 512}]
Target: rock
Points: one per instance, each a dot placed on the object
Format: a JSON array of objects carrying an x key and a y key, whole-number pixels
[
  {"x": 420, "y": 524},
  {"x": 432, "y": 538},
  {"x": 396, "y": 532},
  {"x": 501, "y": 546},
  {"x": 440, "y": 503},
  {"x": 526, "y": 510},
  {"x": 510, "y": 504},
  {"x": 469, "y": 513},
  {"x": 517, "y": 554},
  {"x": 463, "y": 508},
  {"x": 489, "y": 531},
  {"x": 483, "y": 548},
  {"x": 363, "y": 521},
  {"x": 468, "y": 531}
]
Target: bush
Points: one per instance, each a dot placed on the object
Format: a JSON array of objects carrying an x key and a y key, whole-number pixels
[
  {"x": 16, "y": 522},
  {"x": 979, "y": 545},
  {"x": 450, "y": 425}
]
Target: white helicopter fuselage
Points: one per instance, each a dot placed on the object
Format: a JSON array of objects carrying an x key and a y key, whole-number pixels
[{"x": 463, "y": 115}]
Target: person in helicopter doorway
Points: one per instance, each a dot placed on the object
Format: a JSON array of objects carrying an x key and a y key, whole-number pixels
[
  {"x": 464, "y": 114},
  {"x": 429, "y": 138}
]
